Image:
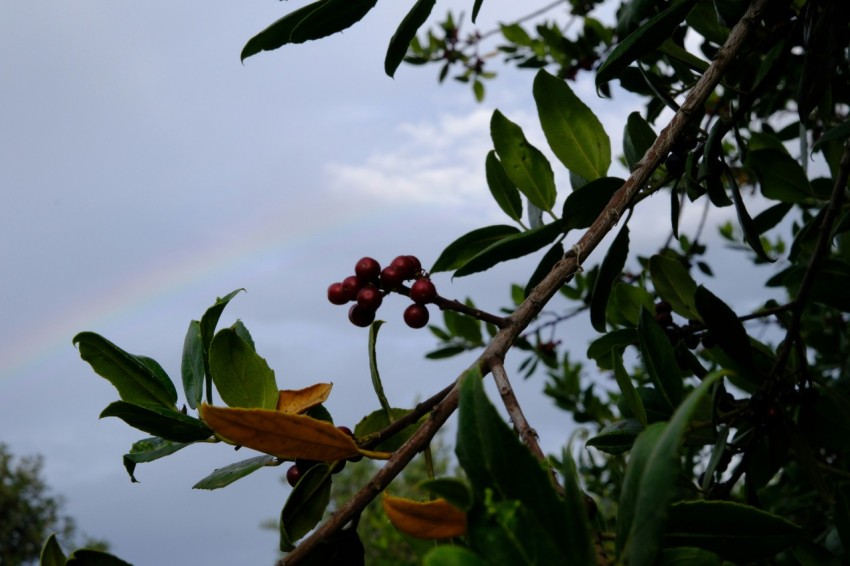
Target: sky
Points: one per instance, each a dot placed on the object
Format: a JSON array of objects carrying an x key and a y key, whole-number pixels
[{"x": 145, "y": 172}]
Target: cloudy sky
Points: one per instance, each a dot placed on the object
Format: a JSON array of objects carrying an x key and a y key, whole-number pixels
[{"x": 145, "y": 171}]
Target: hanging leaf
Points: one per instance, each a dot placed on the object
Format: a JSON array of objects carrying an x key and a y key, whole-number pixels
[
  {"x": 502, "y": 188},
  {"x": 282, "y": 435},
  {"x": 166, "y": 423},
  {"x": 659, "y": 359},
  {"x": 148, "y": 450},
  {"x": 192, "y": 368},
  {"x": 617, "y": 437},
  {"x": 724, "y": 326},
  {"x": 241, "y": 376},
  {"x": 405, "y": 33},
  {"x": 780, "y": 176},
  {"x": 575, "y": 134},
  {"x": 585, "y": 204},
  {"x": 674, "y": 284},
  {"x": 751, "y": 233},
  {"x": 609, "y": 272},
  {"x": 638, "y": 137},
  {"x": 437, "y": 519},
  {"x": 209, "y": 321},
  {"x": 138, "y": 379},
  {"x": 296, "y": 401},
  {"x": 524, "y": 164},
  {"x": 467, "y": 246},
  {"x": 222, "y": 477},
  {"x": 547, "y": 262},
  {"x": 305, "y": 506},
  {"x": 627, "y": 389},
  {"x": 511, "y": 247}
]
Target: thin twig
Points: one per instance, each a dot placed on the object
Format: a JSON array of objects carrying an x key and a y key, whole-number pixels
[{"x": 548, "y": 287}]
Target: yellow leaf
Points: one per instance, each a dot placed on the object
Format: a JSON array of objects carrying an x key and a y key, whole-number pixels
[
  {"x": 295, "y": 401},
  {"x": 428, "y": 519},
  {"x": 280, "y": 434}
]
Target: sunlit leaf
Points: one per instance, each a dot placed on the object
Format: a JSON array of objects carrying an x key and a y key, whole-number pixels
[
  {"x": 225, "y": 476},
  {"x": 435, "y": 519},
  {"x": 296, "y": 401},
  {"x": 169, "y": 424},
  {"x": 241, "y": 376},
  {"x": 575, "y": 134}
]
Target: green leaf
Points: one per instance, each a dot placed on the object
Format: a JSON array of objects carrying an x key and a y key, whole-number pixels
[
  {"x": 601, "y": 348},
  {"x": 626, "y": 302},
  {"x": 138, "y": 379},
  {"x": 89, "y": 557},
  {"x": 463, "y": 326},
  {"x": 148, "y": 450},
  {"x": 524, "y": 164},
  {"x": 578, "y": 535},
  {"x": 475, "y": 9},
  {"x": 313, "y": 21},
  {"x": 242, "y": 331},
  {"x": 637, "y": 138},
  {"x": 839, "y": 132},
  {"x": 447, "y": 352},
  {"x": 643, "y": 41},
  {"x": 451, "y": 555},
  {"x": 305, "y": 506},
  {"x": 659, "y": 359},
  {"x": 724, "y": 326},
  {"x": 405, "y": 33},
  {"x": 242, "y": 377},
  {"x": 547, "y": 262},
  {"x": 51, "y": 553},
  {"x": 467, "y": 246},
  {"x": 658, "y": 479},
  {"x": 502, "y": 188},
  {"x": 609, "y": 272},
  {"x": 377, "y": 421},
  {"x": 573, "y": 131},
  {"x": 192, "y": 368},
  {"x": 208, "y": 323},
  {"x": 585, "y": 204},
  {"x": 674, "y": 284},
  {"x": 687, "y": 556},
  {"x": 373, "y": 368},
  {"x": 455, "y": 491},
  {"x": 511, "y": 247},
  {"x": 627, "y": 389},
  {"x": 617, "y": 437},
  {"x": 225, "y": 476},
  {"x": 159, "y": 421},
  {"x": 736, "y": 532},
  {"x": 751, "y": 233},
  {"x": 780, "y": 176}
]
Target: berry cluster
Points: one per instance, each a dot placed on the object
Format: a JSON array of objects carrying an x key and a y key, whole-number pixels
[
  {"x": 296, "y": 470},
  {"x": 369, "y": 284}
]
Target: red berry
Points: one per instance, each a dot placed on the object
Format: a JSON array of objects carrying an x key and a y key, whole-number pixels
[
  {"x": 350, "y": 286},
  {"x": 417, "y": 265},
  {"x": 416, "y": 316},
  {"x": 360, "y": 316},
  {"x": 336, "y": 294},
  {"x": 406, "y": 265},
  {"x": 423, "y": 291},
  {"x": 369, "y": 298},
  {"x": 367, "y": 270},
  {"x": 391, "y": 278},
  {"x": 293, "y": 474}
]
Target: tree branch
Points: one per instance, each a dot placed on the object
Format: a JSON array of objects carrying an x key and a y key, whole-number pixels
[{"x": 546, "y": 289}]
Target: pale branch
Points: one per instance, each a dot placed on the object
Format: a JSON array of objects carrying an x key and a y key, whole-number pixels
[
  {"x": 820, "y": 252},
  {"x": 548, "y": 287}
]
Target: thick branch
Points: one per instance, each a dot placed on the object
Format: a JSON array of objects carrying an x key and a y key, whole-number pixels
[{"x": 537, "y": 299}]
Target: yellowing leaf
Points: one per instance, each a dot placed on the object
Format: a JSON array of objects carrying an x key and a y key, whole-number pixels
[
  {"x": 428, "y": 519},
  {"x": 296, "y": 401},
  {"x": 280, "y": 434}
]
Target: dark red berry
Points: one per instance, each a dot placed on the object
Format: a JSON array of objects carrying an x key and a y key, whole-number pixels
[
  {"x": 338, "y": 467},
  {"x": 336, "y": 294},
  {"x": 406, "y": 265},
  {"x": 369, "y": 298},
  {"x": 417, "y": 265},
  {"x": 293, "y": 474},
  {"x": 423, "y": 291},
  {"x": 350, "y": 286},
  {"x": 664, "y": 318},
  {"x": 662, "y": 307},
  {"x": 708, "y": 341},
  {"x": 416, "y": 316},
  {"x": 360, "y": 316},
  {"x": 691, "y": 341},
  {"x": 367, "y": 270},
  {"x": 391, "y": 278}
]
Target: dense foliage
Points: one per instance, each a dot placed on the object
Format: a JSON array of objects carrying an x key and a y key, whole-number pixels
[{"x": 713, "y": 442}]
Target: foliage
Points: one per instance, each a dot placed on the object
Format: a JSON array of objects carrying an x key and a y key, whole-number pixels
[{"x": 721, "y": 435}]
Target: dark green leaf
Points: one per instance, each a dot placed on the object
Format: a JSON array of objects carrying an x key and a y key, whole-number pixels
[
  {"x": 643, "y": 41},
  {"x": 242, "y": 377},
  {"x": 574, "y": 133},
  {"x": 810, "y": 554},
  {"x": 305, "y": 506},
  {"x": 242, "y": 331},
  {"x": 447, "y": 352},
  {"x": 476, "y": 7},
  {"x": 627, "y": 389},
  {"x": 463, "y": 326},
  {"x": 524, "y": 164},
  {"x": 373, "y": 367},
  {"x": 772, "y": 216},
  {"x": 618, "y": 436},
  {"x": 208, "y": 323},
  {"x": 626, "y": 302},
  {"x": 511, "y": 247},
  {"x": 736, "y": 532},
  {"x": 377, "y": 421},
  {"x": 609, "y": 272},
  {"x": 455, "y": 491},
  {"x": 405, "y": 33},
  {"x": 687, "y": 556},
  {"x": 831, "y": 283},
  {"x": 659, "y": 359},
  {"x": 342, "y": 548},
  {"x": 502, "y": 188},
  {"x": 724, "y": 326},
  {"x": 89, "y": 557},
  {"x": 192, "y": 368},
  {"x": 547, "y": 262},
  {"x": 751, "y": 233},
  {"x": 586, "y": 203},
  {"x": 148, "y": 450},
  {"x": 467, "y": 246},
  {"x": 601, "y": 348},
  {"x": 159, "y": 421},
  {"x": 451, "y": 555},
  {"x": 839, "y": 132},
  {"x": 674, "y": 284},
  {"x": 780, "y": 176},
  {"x": 637, "y": 138},
  {"x": 137, "y": 379},
  {"x": 51, "y": 553},
  {"x": 578, "y": 534},
  {"x": 225, "y": 476},
  {"x": 842, "y": 513}
]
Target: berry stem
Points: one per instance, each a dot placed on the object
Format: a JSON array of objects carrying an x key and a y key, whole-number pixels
[{"x": 450, "y": 304}]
